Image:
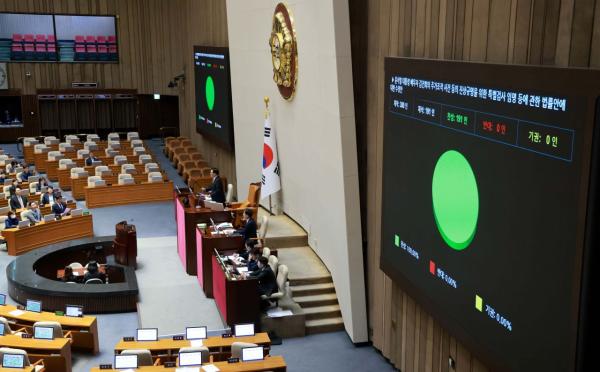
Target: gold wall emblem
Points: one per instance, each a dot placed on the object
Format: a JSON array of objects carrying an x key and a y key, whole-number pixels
[{"x": 284, "y": 52}]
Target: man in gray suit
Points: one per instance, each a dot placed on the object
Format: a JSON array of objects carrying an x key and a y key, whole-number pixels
[{"x": 33, "y": 213}]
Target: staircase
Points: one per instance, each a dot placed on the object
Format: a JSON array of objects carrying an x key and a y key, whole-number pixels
[{"x": 316, "y": 296}]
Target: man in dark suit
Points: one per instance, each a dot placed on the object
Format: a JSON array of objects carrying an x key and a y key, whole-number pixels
[
  {"x": 267, "y": 283},
  {"x": 249, "y": 230},
  {"x": 17, "y": 201},
  {"x": 216, "y": 188},
  {"x": 90, "y": 159},
  {"x": 59, "y": 208},
  {"x": 26, "y": 174},
  {"x": 49, "y": 197}
]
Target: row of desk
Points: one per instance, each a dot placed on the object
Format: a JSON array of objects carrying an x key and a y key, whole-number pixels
[
  {"x": 105, "y": 196},
  {"x": 271, "y": 363}
]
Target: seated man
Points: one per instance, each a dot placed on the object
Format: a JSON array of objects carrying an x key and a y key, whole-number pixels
[
  {"x": 253, "y": 260},
  {"x": 26, "y": 174},
  {"x": 59, "y": 208},
  {"x": 42, "y": 182},
  {"x": 93, "y": 272},
  {"x": 89, "y": 161},
  {"x": 33, "y": 213},
  {"x": 11, "y": 221},
  {"x": 17, "y": 201},
  {"x": 216, "y": 188},
  {"x": 48, "y": 197},
  {"x": 267, "y": 282},
  {"x": 249, "y": 229}
]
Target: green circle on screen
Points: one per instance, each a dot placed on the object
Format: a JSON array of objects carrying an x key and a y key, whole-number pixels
[
  {"x": 209, "y": 90},
  {"x": 455, "y": 199}
]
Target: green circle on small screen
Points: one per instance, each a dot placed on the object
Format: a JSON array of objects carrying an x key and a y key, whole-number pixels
[
  {"x": 209, "y": 90},
  {"x": 455, "y": 199}
]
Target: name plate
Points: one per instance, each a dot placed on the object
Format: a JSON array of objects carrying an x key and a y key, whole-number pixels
[
  {"x": 25, "y": 335},
  {"x": 105, "y": 366},
  {"x": 177, "y": 338},
  {"x": 170, "y": 364},
  {"x": 233, "y": 360},
  {"x": 128, "y": 339},
  {"x": 226, "y": 335}
]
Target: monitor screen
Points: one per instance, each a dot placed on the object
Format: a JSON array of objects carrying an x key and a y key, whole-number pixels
[
  {"x": 2, "y": 299},
  {"x": 147, "y": 334},
  {"x": 252, "y": 353},
  {"x": 214, "y": 117},
  {"x": 13, "y": 361},
  {"x": 241, "y": 330},
  {"x": 74, "y": 311},
  {"x": 195, "y": 333},
  {"x": 35, "y": 306},
  {"x": 189, "y": 359},
  {"x": 43, "y": 333},
  {"x": 486, "y": 189},
  {"x": 2, "y": 329},
  {"x": 126, "y": 361}
]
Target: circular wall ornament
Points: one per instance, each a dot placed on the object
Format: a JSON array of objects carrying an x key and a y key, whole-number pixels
[{"x": 284, "y": 52}]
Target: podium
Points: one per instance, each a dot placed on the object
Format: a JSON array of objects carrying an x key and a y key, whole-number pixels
[{"x": 125, "y": 244}]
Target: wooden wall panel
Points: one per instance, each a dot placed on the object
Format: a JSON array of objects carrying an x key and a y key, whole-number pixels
[{"x": 548, "y": 32}]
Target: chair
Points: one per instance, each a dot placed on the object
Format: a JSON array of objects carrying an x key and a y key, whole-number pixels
[
  {"x": 137, "y": 151},
  {"x": 90, "y": 146},
  {"x": 120, "y": 159},
  {"x": 75, "y": 265},
  {"x": 196, "y": 156},
  {"x": 252, "y": 199},
  {"x": 186, "y": 165},
  {"x": 57, "y": 331},
  {"x": 262, "y": 230},
  {"x": 266, "y": 252},
  {"x": 274, "y": 263},
  {"x": 144, "y": 356},
  {"x": 94, "y": 281},
  {"x": 229, "y": 195},
  {"x": 125, "y": 179},
  {"x": 102, "y": 170},
  {"x": 92, "y": 138},
  {"x": 236, "y": 348},
  {"x": 145, "y": 159},
  {"x": 65, "y": 164},
  {"x": 65, "y": 147},
  {"x": 282, "y": 278},
  {"x": 203, "y": 350},
  {"x": 128, "y": 168},
  {"x": 109, "y": 152},
  {"x": 95, "y": 181},
  {"x": 72, "y": 139},
  {"x": 133, "y": 136},
  {"x": 78, "y": 172},
  {"x": 83, "y": 154},
  {"x": 8, "y": 330},
  {"x": 114, "y": 145},
  {"x": 154, "y": 177},
  {"x": 55, "y": 155},
  {"x": 51, "y": 140},
  {"x": 113, "y": 137},
  {"x": 151, "y": 167},
  {"x": 33, "y": 187},
  {"x": 40, "y": 148},
  {"x": 38, "y": 365},
  {"x": 30, "y": 141},
  {"x": 19, "y": 174}
]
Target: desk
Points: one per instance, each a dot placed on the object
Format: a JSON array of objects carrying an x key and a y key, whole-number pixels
[
  {"x": 205, "y": 247},
  {"x": 105, "y": 196},
  {"x": 237, "y": 300},
  {"x": 219, "y": 347},
  {"x": 78, "y": 185},
  {"x": 272, "y": 363},
  {"x": 26, "y": 369},
  {"x": 43, "y": 233},
  {"x": 187, "y": 219},
  {"x": 55, "y": 353},
  {"x": 84, "y": 329}
]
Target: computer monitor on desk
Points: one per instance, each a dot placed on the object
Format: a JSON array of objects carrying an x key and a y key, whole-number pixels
[
  {"x": 35, "y": 306},
  {"x": 243, "y": 330},
  {"x": 13, "y": 361},
  {"x": 74, "y": 311},
  {"x": 2, "y": 299},
  {"x": 126, "y": 361},
  {"x": 190, "y": 359},
  {"x": 147, "y": 334},
  {"x": 195, "y": 333},
  {"x": 23, "y": 224},
  {"x": 252, "y": 353},
  {"x": 43, "y": 333},
  {"x": 96, "y": 163}
]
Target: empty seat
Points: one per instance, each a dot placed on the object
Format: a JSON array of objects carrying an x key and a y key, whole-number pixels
[
  {"x": 33, "y": 187},
  {"x": 92, "y": 138},
  {"x": 30, "y": 141},
  {"x": 155, "y": 177},
  {"x": 203, "y": 350},
  {"x": 128, "y": 168},
  {"x": 83, "y": 154},
  {"x": 102, "y": 170},
  {"x": 94, "y": 181},
  {"x": 120, "y": 159},
  {"x": 151, "y": 167},
  {"x": 65, "y": 147},
  {"x": 133, "y": 136},
  {"x": 90, "y": 146},
  {"x": 72, "y": 139},
  {"x": 145, "y": 159},
  {"x": 78, "y": 172},
  {"x": 266, "y": 252},
  {"x": 144, "y": 356},
  {"x": 75, "y": 265},
  {"x": 7, "y": 329},
  {"x": 137, "y": 151},
  {"x": 65, "y": 164},
  {"x": 55, "y": 155},
  {"x": 40, "y": 148},
  {"x": 111, "y": 153},
  {"x": 137, "y": 143},
  {"x": 126, "y": 179},
  {"x": 38, "y": 365},
  {"x": 94, "y": 281},
  {"x": 115, "y": 145},
  {"x": 236, "y": 348},
  {"x": 113, "y": 137},
  {"x": 229, "y": 194},
  {"x": 274, "y": 263},
  {"x": 51, "y": 140},
  {"x": 57, "y": 331}
]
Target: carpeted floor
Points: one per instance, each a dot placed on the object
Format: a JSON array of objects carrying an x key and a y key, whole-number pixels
[{"x": 170, "y": 299}]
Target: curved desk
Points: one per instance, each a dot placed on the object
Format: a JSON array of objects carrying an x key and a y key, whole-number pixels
[{"x": 20, "y": 241}]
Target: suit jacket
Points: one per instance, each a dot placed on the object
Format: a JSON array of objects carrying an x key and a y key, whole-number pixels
[
  {"x": 249, "y": 231},
  {"x": 46, "y": 198},
  {"x": 89, "y": 160},
  {"x": 58, "y": 208},
  {"x": 267, "y": 283},
  {"x": 14, "y": 202},
  {"x": 33, "y": 216},
  {"x": 216, "y": 190}
]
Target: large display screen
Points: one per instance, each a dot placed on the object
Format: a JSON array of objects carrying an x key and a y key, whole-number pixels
[
  {"x": 62, "y": 38},
  {"x": 214, "y": 117},
  {"x": 486, "y": 172}
]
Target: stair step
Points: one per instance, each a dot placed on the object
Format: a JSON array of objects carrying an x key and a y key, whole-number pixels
[
  {"x": 322, "y": 312},
  {"x": 316, "y": 300},
  {"x": 312, "y": 289},
  {"x": 324, "y": 325},
  {"x": 307, "y": 281}
]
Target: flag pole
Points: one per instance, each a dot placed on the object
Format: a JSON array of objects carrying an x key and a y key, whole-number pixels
[{"x": 266, "y": 99}]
